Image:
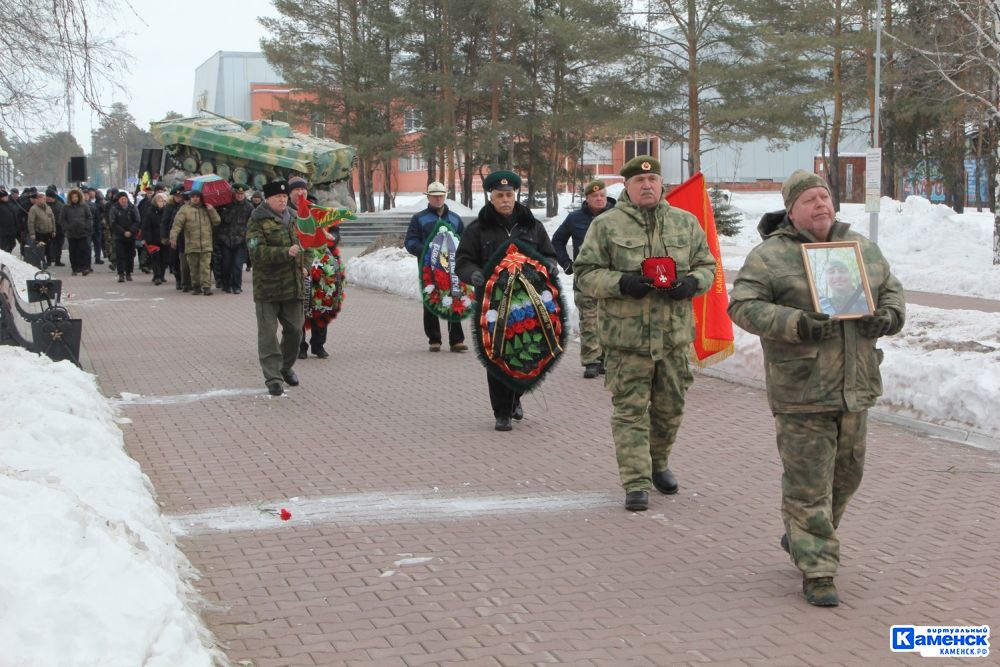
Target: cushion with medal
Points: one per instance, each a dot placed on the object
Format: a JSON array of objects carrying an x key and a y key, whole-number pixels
[{"x": 662, "y": 270}]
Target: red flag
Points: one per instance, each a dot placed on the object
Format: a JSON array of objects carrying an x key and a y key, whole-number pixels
[{"x": 713, "y": 330}]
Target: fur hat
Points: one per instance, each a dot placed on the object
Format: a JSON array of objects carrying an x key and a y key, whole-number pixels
[
  {"x": 276, "y": 188},
  {"x": 800, "y": 181}
]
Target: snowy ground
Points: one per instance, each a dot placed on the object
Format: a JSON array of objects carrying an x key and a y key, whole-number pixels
[{"x": 94, "y": 576}]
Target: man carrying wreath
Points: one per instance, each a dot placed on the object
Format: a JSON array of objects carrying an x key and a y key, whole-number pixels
[{"x": 421, "y": 226}]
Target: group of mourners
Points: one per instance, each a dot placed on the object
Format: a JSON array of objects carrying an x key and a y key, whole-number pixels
[
  {"x": 822, "y": 372},
  {"x": 173, "y": 232}
]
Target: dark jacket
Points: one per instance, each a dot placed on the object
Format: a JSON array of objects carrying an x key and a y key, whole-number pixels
[
  {"x": 76, "y": 219},
  {"x": 575, "y": 227},
  {"x": 489, "y": 233},
  {"x": 421, "y": 225},
  {"x": 169, "y": 213},
  {"x": 276, "y": 276},
  {"x": 96, "y": 212},
  {"x": 57, "y": 206},
  {"x": 233, "y": 230},
  {"x": 153, "y": 227},
  {"x": 123, "y": 220},
  {"x": 8, "y": 219}
]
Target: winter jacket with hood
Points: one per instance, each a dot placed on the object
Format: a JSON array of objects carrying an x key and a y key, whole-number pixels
[
  {"x": 768, "y": 298},
  {"x": 77, "y": 219}
]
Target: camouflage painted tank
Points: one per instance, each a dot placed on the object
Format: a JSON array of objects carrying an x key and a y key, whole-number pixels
[{"x": 252, "y": 152}]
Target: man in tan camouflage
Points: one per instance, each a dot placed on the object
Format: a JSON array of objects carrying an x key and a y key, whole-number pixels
[
  {"x": 822, "y": 373},
  {"x": 644, "y": 331},
  {"x": 195, "y": 220},
  {"x": 277, "y": 286}
]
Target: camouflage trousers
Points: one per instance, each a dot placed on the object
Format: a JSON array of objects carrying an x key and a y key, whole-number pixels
[
  {"x": 648, "y": 400},
  {"x": 590, "y": 346},
  {"x": 201, "y": 269},
  {"x": 823, "y": 455}
]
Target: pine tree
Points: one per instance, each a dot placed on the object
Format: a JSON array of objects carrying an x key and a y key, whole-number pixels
[{"x": 728, "y": 221}]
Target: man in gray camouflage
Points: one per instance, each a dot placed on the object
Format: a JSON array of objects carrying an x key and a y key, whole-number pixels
[
  {"x": 645, "y": 331},
  {"x": 277, "y": 286},
  {"x": 822, "y": 373}
]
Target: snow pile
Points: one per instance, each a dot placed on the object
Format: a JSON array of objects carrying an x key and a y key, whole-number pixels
[
  {"x": 92, "y": 573},
  {"x": 929, "y": 246}
]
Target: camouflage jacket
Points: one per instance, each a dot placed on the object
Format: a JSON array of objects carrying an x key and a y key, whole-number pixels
[
  {"x": 195, "y": 223},
  {"x": 768, "y": 297},
  {"x": 616, "y": 243},
  {"x": 41, "y": 220},
  {"x": 276, "y": 276}
]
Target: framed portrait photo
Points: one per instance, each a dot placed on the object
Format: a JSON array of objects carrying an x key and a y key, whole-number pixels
[{"x": 837, "y": 279}]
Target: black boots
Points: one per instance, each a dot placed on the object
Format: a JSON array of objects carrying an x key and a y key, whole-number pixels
[{"x": 665, "y": 482}]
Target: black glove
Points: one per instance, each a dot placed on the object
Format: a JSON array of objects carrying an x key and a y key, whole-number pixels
[
  {"x": 877, "y": 324},
  {"x": 568, "y": 269},
  {"x": 815, "y": 327},
  {"x": 477, "y": 279},
  {"x": 635, "y": 286},
  {"x": 684, "y": 288},
  {"x": 552, "y": 266}
]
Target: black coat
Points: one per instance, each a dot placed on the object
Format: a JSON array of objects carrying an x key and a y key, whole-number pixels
[
  {"x": 124, "y": 220},
  {"x": 152, "y": 226},
  {"x": 8, "y": 219},
  {"x": 575, "y": 227},
  {"x": 488, "y": 233}
]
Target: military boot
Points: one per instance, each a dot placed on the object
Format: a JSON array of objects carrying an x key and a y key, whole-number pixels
[
  {"x": 820, "y": 592},
  {"x": 784, "y": 544},
  {"x": 665, "y": 482},
  {"x": 590, "y": 371},
  {"x": 637, "y": 501}
]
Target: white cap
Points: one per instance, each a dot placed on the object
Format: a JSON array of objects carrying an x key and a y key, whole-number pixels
[{"x": 436, "y": 188}]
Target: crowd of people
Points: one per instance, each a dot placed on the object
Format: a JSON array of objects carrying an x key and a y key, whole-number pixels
[
  {"x": 165, "y": 232},
  {"x": 822, "y": 368}
]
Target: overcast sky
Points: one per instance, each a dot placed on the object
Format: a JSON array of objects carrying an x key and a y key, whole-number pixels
[{"x": 166, "y": 43}]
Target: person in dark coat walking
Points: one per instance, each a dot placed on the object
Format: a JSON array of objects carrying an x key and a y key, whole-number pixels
[
  {"x": 575, "y": 227},
  {"x": 124, "y": 220},
  {"x": 502, "y": 218},
  {"x": 421, "y": 226},
  {"x": 77, "y": 223},
  {"x": 232, "y": 237},
  {"x": 96, "y": 203},
  {"x": 157, "y": 243},
  {"x": 56, "y": 204},
  {"x": 8, "y": 222}
]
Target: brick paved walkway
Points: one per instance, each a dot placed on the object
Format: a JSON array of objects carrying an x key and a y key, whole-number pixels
[{"x": 389, "y": 560}]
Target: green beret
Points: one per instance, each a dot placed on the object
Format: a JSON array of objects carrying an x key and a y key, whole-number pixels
[
  {"x": 240, "y": 187},
  {"x": 800, "y": 181},
  {"x": 502, "y": 180},
  {"x": 595, "y": 185},
  {"x": 177, "y": 190},
  {"x": 640, "y": 164}
]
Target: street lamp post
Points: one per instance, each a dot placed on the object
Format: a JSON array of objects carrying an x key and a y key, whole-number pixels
[{"x": 876, "y": 144}]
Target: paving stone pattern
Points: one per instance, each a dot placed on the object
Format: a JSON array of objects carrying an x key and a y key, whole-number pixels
[{"x": 697, "y": 579}]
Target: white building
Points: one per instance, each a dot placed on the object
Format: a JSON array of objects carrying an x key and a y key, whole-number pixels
[{"x": 222, "y": 83}]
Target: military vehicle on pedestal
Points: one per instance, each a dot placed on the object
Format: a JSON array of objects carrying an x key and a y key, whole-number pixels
[{"x": 255, "y": 152}]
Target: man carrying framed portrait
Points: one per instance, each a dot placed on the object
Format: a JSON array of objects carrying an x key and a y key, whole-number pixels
[{"x": 821, "y": 362}]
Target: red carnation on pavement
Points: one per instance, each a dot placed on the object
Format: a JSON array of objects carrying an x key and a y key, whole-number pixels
[{"x": 285, "y": 514}]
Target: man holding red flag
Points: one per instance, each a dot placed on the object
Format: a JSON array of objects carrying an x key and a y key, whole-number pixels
[{"x": 645, "y": 260}]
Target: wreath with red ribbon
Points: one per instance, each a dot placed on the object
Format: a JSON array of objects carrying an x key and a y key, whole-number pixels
[
  {"x": 443, "y": 294},
  {"x": 520, "y": 323}
]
